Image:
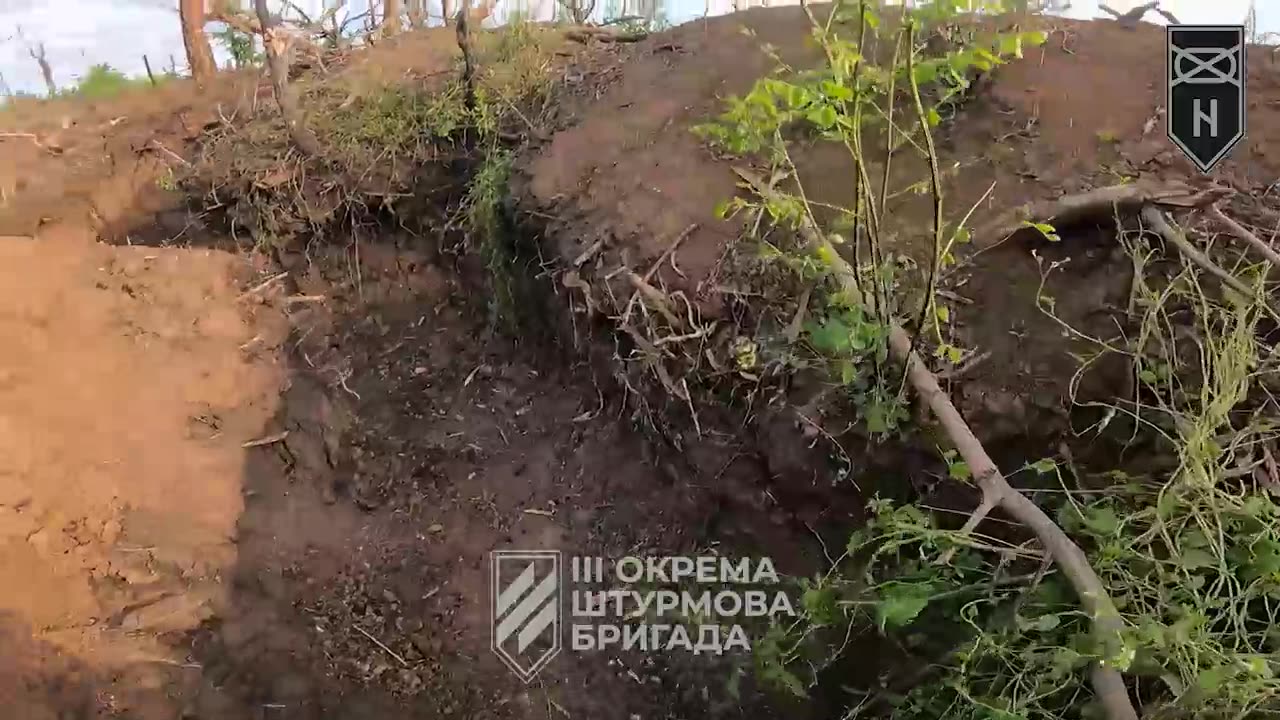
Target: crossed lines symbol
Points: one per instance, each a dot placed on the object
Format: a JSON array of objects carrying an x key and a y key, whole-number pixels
[{"x": 1196, "y": 75}]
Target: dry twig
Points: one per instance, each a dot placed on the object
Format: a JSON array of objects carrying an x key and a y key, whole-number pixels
[
  {"x": 1243, "y": 233},
  {"x": 1160, "y": 225}
]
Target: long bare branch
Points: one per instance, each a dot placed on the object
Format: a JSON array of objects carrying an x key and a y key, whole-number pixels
[{"x": 1107, "y": 682}]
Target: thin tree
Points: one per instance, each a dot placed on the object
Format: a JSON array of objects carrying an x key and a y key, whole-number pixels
[
  {"x": 276, "y": 44},
  {"x": 37, "y": 53},
  {"x": 417, "y": 15},
  {"x": 199, "y": 53},
  {"x": 446, "y": 10},
  {"x": 391, "y": 16}
]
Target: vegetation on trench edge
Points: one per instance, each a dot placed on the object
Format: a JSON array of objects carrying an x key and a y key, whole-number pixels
[{"x": 1191, "y": 557}]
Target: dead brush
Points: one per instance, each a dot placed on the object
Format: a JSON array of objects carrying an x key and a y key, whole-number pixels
[{"x": 379, "y": 144}]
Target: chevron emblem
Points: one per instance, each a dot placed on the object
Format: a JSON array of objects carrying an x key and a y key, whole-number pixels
[{"x": 525, "y": 588}]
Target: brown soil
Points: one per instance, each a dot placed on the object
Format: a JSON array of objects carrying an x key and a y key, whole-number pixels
[
  {"x": 169, "y": 570},
  {"x": 129, "y": 380},
  {"x": 628, "y": 169}
]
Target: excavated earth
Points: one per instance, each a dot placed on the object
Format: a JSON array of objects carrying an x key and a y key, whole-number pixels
[{"x": 245, "y": 485}]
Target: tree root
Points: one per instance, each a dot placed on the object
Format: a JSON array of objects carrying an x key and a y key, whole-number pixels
[
  {"x": 1107, "y": 682},
  {"x": 1099, "y": 203}
]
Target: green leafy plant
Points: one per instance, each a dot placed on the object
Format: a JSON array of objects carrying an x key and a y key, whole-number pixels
[
  {"x": 851, "y": 100},
  {"x": 239, "y": 45},
  {"x": 104, "y": 81}
]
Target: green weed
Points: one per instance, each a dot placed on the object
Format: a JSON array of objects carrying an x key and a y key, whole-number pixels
[
  {"x": 851, "y": 101},
  {"x": 103, "y": 81},
  {"x": 482, "y": 211}
]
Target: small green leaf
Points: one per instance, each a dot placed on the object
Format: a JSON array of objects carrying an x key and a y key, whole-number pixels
[
  {"x": 1044, "y": 466},
  {"x": 1048, "y": 231},
  {"x": 876, "y": 415},
  {"x": 901, "y": 604},
  {"x": 1045, "y": 623},
  {"x": 820, "y": 604},
  {"x": 848, "y": 372},
  {"x": 1102, "y": 520},
  {"x": 1195, "y": 558},
  {"x": 959, "y": 471},
  {"x": 797, "y": 97},
  {"x": 830, "y": 337},
  {"x": 933, "y": 117},
  {"x": 1035, "y": 38},
  {"x": 836, "y": 91},
  {"x": 926, "y": 73},
  {"x": 1011, "y": 45},
  {"x": 823, "y": 116}
]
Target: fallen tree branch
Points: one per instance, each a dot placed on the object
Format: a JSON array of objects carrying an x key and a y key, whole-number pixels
[
  {"x": 1107, "y": 682},
  {"x": 1244, "y": 234},
  {"x": 604, "y": 34},
  {"x": 1161, "y": 226},
  {"x": 1098, "y": 203}
]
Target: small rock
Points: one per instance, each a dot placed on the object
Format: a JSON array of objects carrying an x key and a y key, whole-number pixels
[{"x": 110, "y": 532}]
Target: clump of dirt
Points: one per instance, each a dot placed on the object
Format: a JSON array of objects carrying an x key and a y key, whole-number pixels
[{"x": 110, "y": 166}]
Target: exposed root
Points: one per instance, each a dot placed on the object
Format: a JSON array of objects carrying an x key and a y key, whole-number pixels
[{"x": 1099, "y": 203}]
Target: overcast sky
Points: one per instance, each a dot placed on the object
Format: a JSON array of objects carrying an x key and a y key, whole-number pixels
[{"x": 80, "y": 33}]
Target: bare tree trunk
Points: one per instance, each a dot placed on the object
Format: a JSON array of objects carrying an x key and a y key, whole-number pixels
[
  {"x": 276, "y": 45},
  {"x": 464, "y": 43},
  {"x": 150, "y": 75},
  {"x": 37, "y": 53},
  {"x": 417, "y": 18},
  {"x": 199, "y": 54},
  {"x": 446, "y": 9},
  {"x": 391, "y": 16},
  {"x": 46, "y": 70}
]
